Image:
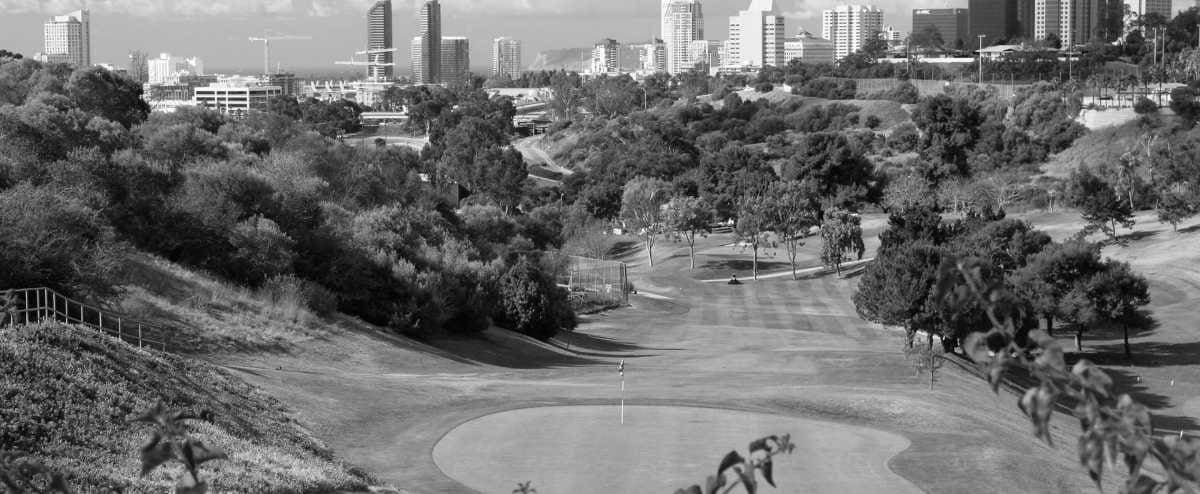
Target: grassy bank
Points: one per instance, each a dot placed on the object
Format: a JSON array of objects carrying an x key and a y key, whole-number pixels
[{"x": 67, "y": 395}]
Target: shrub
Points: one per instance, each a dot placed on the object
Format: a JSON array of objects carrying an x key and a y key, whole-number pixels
[
  {"x": 829, "y": 88},
  {"x": 905, "y": 138},
  {"x": 532, "y": 303},
  {"x": 260, "y": 251},
  {"x": 1144, "y": 106},
  {"x": 872, "y": 122},
  {"x": 905, "y": 92},
  {"x": 49, "y": 239}
]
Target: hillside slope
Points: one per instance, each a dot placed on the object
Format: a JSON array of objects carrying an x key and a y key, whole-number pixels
[{"x": 67, "y": 395}]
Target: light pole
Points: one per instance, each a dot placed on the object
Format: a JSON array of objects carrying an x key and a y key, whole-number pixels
[{"x": 981, "y": 36}]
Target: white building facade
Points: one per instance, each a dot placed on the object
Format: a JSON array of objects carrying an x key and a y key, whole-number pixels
[
  {"x": 67, "y": 39},
  {"x": 756, "y": 37},
  {"x": 506, "y": 58},
  {"x": 808, "y": 48},
  {"x": 606, "y": 57},
  {"x": 166, "y": 69},
  {"x": 684, "y": 23},
  {"x": 849, "y": 27},
  {"x": 653, "y": 57},
  {"x": 235, "y": 99}
]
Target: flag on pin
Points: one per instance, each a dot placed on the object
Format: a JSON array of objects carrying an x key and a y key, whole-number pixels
[{"x": 621, "y": 368}]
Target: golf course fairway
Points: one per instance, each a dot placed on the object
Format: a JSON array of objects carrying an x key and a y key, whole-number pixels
[{"x": 586, "y": 450}]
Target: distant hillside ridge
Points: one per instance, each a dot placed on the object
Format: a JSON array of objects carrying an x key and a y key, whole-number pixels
[{"x": 578, "y": 59}]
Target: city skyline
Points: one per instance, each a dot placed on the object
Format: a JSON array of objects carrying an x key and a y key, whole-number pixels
[{"x": 221, "y": 41}]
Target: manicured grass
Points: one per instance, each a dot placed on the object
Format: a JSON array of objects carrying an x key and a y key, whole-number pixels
[{"x": 67, "y": 395}]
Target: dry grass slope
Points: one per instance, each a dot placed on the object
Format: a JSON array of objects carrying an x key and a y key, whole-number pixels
[{"x": 68, "y": 394}]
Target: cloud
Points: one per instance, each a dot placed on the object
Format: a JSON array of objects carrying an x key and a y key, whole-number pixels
[{"x": 152, "y": 8}]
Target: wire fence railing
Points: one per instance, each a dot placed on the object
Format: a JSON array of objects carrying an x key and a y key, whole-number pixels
[
  {"x": 22, "y": 306},
  {"x": 598, "y": 278}
]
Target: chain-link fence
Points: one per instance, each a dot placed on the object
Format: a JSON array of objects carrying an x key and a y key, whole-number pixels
[
  {"x": 596, "y": 279},
  {"x": 930, "y": 87}
]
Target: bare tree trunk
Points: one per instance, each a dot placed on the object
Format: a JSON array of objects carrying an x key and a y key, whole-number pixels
[
  {"x": 1128, "y": 352},
  {"x": 929, "y": 337},
  {"x": 650, "y": 250},
  {"x": 756, "y": 262},
  {"x": 1079, "y": 339},
  {"x": 692, "y": 252}
]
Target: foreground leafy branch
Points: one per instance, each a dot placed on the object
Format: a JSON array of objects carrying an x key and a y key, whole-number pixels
[
  {"x": 1114, "y": 427},
  {"x": 736, "y": 470},
  {"x": 170, "y": 441},
  {"x": 22, "y": 476}
]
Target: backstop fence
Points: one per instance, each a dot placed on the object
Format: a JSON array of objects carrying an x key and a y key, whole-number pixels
[{"x": 597, "y": 278}]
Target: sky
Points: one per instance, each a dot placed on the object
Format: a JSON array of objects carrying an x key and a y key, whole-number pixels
[{"x": 217, "y": 30}]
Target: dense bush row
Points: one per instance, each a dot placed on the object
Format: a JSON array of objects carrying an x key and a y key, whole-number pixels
[{"x": 86, "y": 171}]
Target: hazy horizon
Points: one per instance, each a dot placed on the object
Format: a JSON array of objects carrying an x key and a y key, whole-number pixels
[{"x": 217, "y": 30}]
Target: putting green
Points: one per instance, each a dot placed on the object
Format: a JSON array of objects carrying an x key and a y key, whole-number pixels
[{"x": 585, "y": 450}]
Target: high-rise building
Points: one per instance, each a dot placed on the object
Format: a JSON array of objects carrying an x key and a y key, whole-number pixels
[
  {"x": 756, "y": 37},
  {"x": 707, "y": 52},
  {"x": 891, "y": 35},
  {"x": 427, "y": 46},
  {"x": 167, "y": 68},
  {"x": 849, "y": 27},
  {"x": 1075, "y": 22},
  {"x": 456, "y": 60},
  {"x": 1139, "y": 8},
  {"x": 606, "y": 57},
  {"x": 952, "y": 25},
  {"x": 684, "y": 23},
  {"x": 808, "y": 48},
  {"x": 664, "y": 29},
  {"x": 999, "y": 21},
  {"x": 653, "y": 56},
  {"x": 67, "y": 39},
  {"x": 379, "y": 37},
  {"x": 506, "y": 58}
]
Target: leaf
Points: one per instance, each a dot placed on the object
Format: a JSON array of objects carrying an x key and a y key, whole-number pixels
[
  {"x": 762, "y": 444},
  {"x": 196, "y": 453},
  {"x": 975, "y": 346},
  {"x": 714, "y": 483},
  {"x": 155, "y": 415},
  {"x": 155, "y": 453},
  {"x": 1091, "y": 455},
  {"x": 1052, "y": 357},
  {"x": 731, "y": 459},
  {"x": 748, "y": 480},
  {"x": 766, "y": 471},
  {"x": 1140, "y": 485}
]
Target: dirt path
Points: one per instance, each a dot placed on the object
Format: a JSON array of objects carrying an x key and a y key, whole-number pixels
[{"x": 793, "y": 350}]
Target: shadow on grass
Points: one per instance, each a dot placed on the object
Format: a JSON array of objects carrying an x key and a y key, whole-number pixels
[
  {"x": 589, "y": 344},
  {"x": 1190, "y": 229},
  {"x": 509, "y": 351},
  {"x": 742, "y": 266}
]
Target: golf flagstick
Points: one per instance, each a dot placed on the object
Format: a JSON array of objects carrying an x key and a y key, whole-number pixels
[{"x": 621, "y": 370}]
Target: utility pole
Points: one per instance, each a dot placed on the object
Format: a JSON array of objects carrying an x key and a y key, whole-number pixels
[{"x": 981, "y": 36}]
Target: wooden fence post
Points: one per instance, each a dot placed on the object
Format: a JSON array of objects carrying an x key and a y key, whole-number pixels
[{"x": 139, "y": 335}]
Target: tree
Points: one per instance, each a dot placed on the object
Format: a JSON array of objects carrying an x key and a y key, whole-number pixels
[
  {"x": 753, "y": 225},
  {"x": 895, "y": 287},
  {"x": 841, "y": 233},
  {"x": 532, "y": 303},
  {"x": 1099, "y": 204},
  {"x": 107, "y": 94},
  {"x": 642, "y": 209},
  {"x": 1049, "y": 277},
  {"x": 792, "y": 211},
  {"x": 1116, "y": 294},
  {"x": 685, "y": 218}
]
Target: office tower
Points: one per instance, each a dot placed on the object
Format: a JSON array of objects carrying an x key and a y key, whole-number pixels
[
  {"x": 1025, "y": 21},
  {"x": 1140, "y": 8},
  {"x": 1075, "y": 22},
  {"x": 849, "y": 27},
  {"x": 664, "y": 29},
  {"x": 808, "y": 48},
  {"x": 891, "y": 35},
  {"x": 456, "y": 60},
  {"x": 999, "y": 21},
  {"x": 654, "y": 56},
  {"x": 506, "y": 58},
  {"x": 707, "y": 52},
  {"x": 138, "y": 68},
  {"x": 168, "y": 68},
  {"x": 756, "y": 36},
  {"x": 379, "y": 37},
  {"x": 67, "y": 39},
  {"x": 605, "y": 57},
  {"x": 953, "y": 25},
  {"x": 427, "y": 46},
  {"x": 685, "y": 24}
]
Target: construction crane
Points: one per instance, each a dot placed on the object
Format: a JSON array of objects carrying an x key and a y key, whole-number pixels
[
  {"x": 266, "y": 40},
  {"x": 374, "y": 58}
]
